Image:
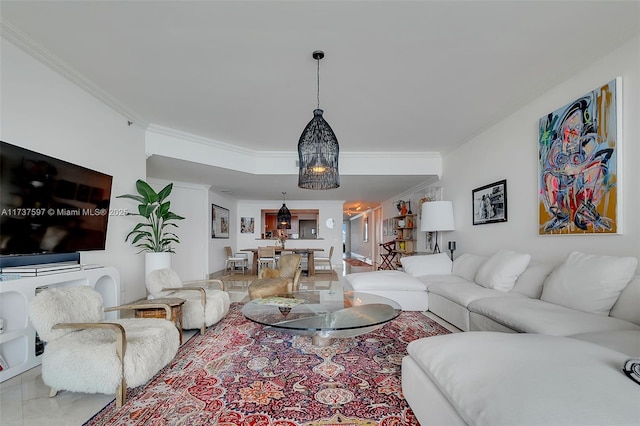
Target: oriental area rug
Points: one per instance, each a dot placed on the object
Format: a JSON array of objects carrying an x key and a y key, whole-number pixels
[{"x": 241, "y": 373}]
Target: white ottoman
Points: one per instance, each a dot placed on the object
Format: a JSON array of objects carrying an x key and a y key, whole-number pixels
[
  {"x": 488, "y": 378},
  {"x": 409, "y": 292}
]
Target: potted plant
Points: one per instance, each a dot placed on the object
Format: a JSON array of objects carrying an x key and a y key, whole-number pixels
[{"x": 152, "y": 235}]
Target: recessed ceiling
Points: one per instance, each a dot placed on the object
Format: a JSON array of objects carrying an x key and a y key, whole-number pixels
[{"x": 415, "y": 76}]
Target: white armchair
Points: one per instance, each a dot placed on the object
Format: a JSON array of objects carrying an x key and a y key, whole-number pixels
[
  {"x": 85, "y": 353},
  {"x": 204, "y": 305}
]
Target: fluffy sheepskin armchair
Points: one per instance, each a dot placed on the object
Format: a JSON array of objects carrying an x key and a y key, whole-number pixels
[
  {"x": 204, "y": 305},
  {"x": 85, "y": 353}
]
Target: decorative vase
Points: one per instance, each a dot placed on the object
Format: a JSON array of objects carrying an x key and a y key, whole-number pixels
[{"x": 156, "y": 260}]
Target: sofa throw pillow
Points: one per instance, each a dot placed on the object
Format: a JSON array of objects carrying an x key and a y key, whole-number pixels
[
  {"x": 501, "y": 270},
  {"x": 466, "y": 265},
  {"x": 431, "y": 264},
  {"x": 588, "y": 282}
]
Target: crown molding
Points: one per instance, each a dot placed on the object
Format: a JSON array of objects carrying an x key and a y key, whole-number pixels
[{"x": 10, "y": 33}]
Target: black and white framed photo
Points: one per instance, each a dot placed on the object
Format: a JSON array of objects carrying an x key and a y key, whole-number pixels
[
  {"x": 219, "y": 222},
  {"x": 490, "y": 203}
]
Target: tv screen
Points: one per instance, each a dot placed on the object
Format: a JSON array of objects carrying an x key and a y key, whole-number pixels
[{"x": 48, "y": 205}]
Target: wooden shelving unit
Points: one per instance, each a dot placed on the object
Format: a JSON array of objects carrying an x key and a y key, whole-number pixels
[{"x": 405, "y": 230}]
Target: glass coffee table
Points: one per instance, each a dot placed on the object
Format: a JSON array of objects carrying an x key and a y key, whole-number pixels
[{"x": 324, "y": 315}]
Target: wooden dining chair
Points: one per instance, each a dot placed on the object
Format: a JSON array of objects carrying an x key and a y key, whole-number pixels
[
  {"x": 266, "y": 257},
  {"x": 323, "y": 262},
  {"x": 235, "y": 260}
]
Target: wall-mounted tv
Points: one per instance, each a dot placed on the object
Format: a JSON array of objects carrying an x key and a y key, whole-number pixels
[{"x": 49, "y": 205}]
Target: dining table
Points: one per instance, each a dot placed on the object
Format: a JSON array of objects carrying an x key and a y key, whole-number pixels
[{"x": 308, "y": 251}]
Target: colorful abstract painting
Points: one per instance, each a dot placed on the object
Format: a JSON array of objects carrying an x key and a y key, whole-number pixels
[{"x": 578, "y": 167}]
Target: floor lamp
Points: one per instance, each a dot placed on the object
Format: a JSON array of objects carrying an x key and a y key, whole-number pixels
[{"x": 437, "y": 216}]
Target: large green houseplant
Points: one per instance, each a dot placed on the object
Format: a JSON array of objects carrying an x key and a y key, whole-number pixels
[{"x": 152, "y": 235}]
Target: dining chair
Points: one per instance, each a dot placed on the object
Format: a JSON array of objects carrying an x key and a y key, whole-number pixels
[
  {"x": 323, "y": 262},
  {"x": 266, "y": 257},
  {"x": 235, "y": 260}
]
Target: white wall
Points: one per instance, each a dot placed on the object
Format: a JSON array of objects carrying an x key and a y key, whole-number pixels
[
  {"x": 508, "y": 150},
  {"x": 217, "y": 256},
  {"x": 189, "y": 201},
  {"x": 45, "y": 112},
  {"x": 359, "y": 248}
]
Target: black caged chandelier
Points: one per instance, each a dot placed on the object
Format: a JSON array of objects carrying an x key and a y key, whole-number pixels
[{"x": 318, "y": 149}]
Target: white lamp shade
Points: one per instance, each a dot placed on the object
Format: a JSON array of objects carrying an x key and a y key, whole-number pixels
[{"x": 437, "y": 216}]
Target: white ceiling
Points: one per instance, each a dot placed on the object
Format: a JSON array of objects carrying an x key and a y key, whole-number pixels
[{"x": 419, "y": 76}]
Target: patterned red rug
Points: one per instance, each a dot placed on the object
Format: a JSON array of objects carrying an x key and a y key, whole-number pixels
[{"x": 241, "y": 373}]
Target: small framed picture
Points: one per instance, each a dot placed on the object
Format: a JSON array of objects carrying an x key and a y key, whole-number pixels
[
  {"x": 490, "y": 203},
  {"x": 219, "y": 222},
  {"x": 247, "y": 225}
]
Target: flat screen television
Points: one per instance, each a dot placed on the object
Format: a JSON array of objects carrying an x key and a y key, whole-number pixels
[{"x": 48, "y": 205}]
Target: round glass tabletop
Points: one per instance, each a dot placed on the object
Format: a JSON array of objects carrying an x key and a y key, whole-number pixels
[{"x": 323, "y": 314}]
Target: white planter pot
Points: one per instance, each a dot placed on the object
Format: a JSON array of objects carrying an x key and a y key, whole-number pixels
[{"x": 153, "y": 261}]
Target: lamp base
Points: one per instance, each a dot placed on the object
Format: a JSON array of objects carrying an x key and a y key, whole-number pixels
[{"x": 436, "y": 247}]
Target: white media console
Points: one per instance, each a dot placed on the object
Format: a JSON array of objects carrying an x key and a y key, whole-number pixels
[{"x": 18, "y": 342}]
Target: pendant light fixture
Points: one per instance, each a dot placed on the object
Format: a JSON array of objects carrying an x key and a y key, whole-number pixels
[
  {"x": 284, "y": 216},
  {"x": 318, "y": 149}
]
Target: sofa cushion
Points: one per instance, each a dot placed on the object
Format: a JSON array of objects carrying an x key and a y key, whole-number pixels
[
  {"x": 466, "y": 292},
  {"x": 384, "y": 280},
  {"x": 628, "y": 305},
  {"x": 589, "y": 283},
  {"x": 432, "y": 264},
  {"x": 535, "y": 316},
  {"x": 501, "y": 270},
  {"x": 528, "y": 379},
  {"x": 625, "y": 341},
  {"x": 530, "y": 282},
  {"x": 428, "y": 280},
  {"x": 467, "y": 265}
]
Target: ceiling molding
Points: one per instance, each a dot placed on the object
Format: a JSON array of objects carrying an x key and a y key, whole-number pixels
[
  {"x": 10, "y": 33},
  {"x": 173, "y": 143}
]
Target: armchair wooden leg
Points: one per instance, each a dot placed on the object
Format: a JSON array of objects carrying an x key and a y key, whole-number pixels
[
  {"x": 121, "y": 394},
  {"x": 203, "y": 328},
  {"x": 53, "y": 392}
]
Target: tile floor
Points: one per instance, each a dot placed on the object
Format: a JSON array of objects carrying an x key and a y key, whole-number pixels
[{"x": 24, "y": 399}]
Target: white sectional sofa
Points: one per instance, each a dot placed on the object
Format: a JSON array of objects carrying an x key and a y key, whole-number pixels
[
  {"x": 504, "y": 379},
  {"x": 576, "y": 324}
]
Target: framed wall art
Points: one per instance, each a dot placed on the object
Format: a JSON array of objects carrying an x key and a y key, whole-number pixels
[
  {"x": 247, "y": 225},
  {"x": 578, "y": 165},
  {"x": 219, "y": 222},
  {"x": 490, "y": 203}
]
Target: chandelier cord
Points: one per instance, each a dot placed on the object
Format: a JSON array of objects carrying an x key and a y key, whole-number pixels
[{"x": 318, "y": 74}]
